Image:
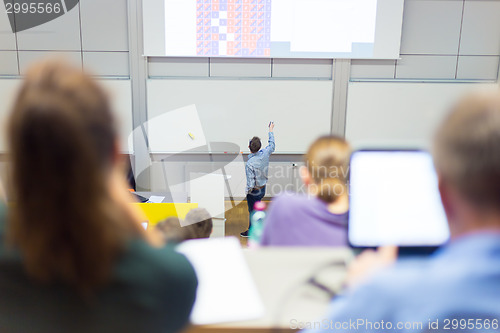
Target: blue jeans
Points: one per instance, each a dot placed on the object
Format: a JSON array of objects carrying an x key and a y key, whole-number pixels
[{"x": 252, "y": 197}]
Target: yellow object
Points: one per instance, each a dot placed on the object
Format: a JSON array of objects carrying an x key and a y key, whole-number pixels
[
  {"x": 191, "y": 135},
  {"x": 156, "y": 212}
]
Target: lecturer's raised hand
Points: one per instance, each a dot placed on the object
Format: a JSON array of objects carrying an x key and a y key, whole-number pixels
[{"x": 271, "y": 126}]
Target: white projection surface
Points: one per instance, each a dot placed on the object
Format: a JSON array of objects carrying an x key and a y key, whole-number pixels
[{"x": 274, "y": 28}]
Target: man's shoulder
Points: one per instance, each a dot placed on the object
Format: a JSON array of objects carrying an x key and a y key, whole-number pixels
[
  {"x": 255, "y": 157},
  {"x": 251, "y": 162},
  {"x": 418, "y": 289},
  {"x": 412, "y": 279}
]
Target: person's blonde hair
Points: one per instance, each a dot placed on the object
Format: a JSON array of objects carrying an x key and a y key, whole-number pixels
[
  {"x": 327, "y": 161},
  {"x": 467, "y": 148},
  {"x": 62, "y": 136}
]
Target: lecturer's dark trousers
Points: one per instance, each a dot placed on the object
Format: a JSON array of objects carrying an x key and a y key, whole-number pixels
[{"x": 252, "y": 198}]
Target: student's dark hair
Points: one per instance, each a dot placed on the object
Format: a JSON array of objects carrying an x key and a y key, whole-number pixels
[
  {"x": 255, "y": 144},
  {"x": 171, "y": 230},
  {"x": 62, "y": 137},
  {"x": 199, "y": 222},
  {"x": 327, "y": 161},
  {"x": 467, "y": 149}
]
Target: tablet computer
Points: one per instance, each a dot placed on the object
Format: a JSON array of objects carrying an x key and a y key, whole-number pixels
[{"x": 394, "y": 200}]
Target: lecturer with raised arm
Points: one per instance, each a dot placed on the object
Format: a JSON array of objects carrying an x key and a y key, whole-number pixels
[{"x": 256, "y": 169}]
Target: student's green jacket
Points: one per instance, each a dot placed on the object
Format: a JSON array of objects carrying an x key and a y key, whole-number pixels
[{"x": 152, "y": 290}]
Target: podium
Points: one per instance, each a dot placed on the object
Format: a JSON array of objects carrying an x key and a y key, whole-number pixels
[{"x": 207, "y": 190}]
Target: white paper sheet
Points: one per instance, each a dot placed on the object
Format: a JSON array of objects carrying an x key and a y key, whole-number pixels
[
  {"x": 226, "y": 290},
  {"x": 156, "y": 199}
]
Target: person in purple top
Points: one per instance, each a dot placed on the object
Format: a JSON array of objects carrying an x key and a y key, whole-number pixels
[{"x": 318, "y": 218}]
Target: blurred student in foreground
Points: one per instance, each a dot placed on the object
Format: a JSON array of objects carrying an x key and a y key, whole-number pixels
[
  {"x": 320, "y": 217},
  {"x": 197, "y": 224},
  {"x": 460, "y": 284},
  {"x": 73, "y": 255}
]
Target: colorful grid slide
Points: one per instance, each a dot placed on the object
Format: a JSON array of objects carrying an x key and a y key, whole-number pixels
[{"x": 233, "y": 28}]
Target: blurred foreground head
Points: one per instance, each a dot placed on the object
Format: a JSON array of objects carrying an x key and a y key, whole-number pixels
[
  {"x": 198, "y": 224},
  {"x": 327, "y": 165},
  {"x": 467, "y": 158},
  {"x": 62, "y": 141}
]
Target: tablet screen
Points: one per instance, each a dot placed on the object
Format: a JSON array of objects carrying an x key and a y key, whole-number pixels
[{"x": 394, "y": 200}]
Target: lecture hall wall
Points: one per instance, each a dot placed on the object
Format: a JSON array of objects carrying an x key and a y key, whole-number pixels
[{"x": 447, "y": 40}]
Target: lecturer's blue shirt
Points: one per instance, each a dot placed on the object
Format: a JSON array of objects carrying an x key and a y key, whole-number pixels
[
  {"x": 460, "y": 281},
  {"x": 258, "y": 166}
]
